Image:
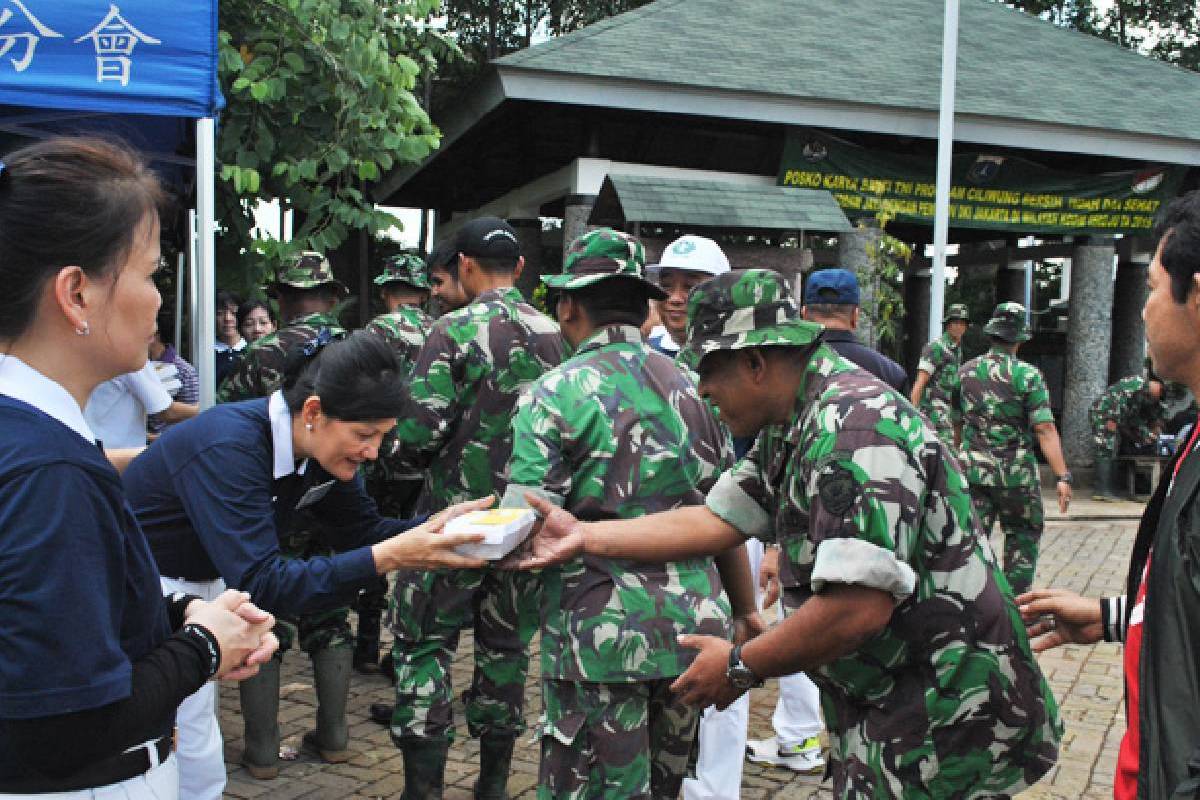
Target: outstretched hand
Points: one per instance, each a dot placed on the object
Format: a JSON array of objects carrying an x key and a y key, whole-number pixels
[
  {"x": 556, "y": 539},
  {"x": 1056, "y": 617},
  {"x": 428, "y": 546}
]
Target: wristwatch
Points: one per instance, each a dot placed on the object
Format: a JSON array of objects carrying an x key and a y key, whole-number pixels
[
  {"x": 741, "y": 676},
  {"x": 1066, "y": 478}
]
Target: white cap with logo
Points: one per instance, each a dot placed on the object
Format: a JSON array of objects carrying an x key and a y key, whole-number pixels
[{"x": 693, "y": 254}]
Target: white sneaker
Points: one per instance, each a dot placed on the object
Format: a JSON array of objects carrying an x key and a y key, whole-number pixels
[{"x": 804, "y": 758}]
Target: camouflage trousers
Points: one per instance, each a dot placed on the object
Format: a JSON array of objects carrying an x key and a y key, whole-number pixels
[
  {"x": 319, "y": 630},
  {"x": 614, "y": 740},
  {"x": 1022, "y": 519},
  {"x": 428, "y": 611}
]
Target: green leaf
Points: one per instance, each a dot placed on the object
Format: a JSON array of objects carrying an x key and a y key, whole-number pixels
[
  {"x": 259, "y": 91},
  {"x": 295, "y": 62}
]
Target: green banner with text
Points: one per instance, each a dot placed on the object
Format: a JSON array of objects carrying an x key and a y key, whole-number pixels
[{"x": 996, "y": 192}]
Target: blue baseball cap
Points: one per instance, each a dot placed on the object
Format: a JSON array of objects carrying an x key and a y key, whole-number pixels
[{"x": 837, "y": 287}]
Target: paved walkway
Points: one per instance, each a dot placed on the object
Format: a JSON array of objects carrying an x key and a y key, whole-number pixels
[{"x": 1087, "y": 555}]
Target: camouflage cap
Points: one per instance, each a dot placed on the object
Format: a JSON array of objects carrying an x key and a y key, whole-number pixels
[
  {"x": 305, "y": 270},
  {"x": 1009, "y": 323},
  {"x": 404, "y": 268},
  {"x": 744, "y": 308},
  {"x": 956, "y": 311},
  {"x": 604, "y": 254}
]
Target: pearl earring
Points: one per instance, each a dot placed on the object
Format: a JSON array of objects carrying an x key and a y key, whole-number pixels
[
  {"x": 84, "y": 329},
  {"x": 308, "y": 425}
]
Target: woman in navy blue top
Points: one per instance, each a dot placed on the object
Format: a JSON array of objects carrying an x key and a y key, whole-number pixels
[
  {"x": 214, "y": 495},
  {"x": 90, "y": 670}
]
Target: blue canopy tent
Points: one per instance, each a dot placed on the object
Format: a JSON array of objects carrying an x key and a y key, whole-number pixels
[{"x": 145, "y": 70}]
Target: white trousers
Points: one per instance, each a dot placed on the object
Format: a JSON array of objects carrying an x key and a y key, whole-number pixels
[
  {"x": 723, "y": 733},
  {"x": 199, "y": 746},
  {"x": 159, "y": 783}
]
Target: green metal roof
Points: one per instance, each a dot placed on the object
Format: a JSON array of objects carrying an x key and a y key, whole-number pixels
[
  {"x": 716, "y": 204},
  {"x": 868, "y": 53}
]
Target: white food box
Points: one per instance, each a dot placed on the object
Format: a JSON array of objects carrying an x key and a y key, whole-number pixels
[{"x": 503, "y": 529}]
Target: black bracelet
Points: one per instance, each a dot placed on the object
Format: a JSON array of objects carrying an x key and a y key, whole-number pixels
[
  {"x": 211, "y": 648},
  {"x": 1066, "y": 478}
]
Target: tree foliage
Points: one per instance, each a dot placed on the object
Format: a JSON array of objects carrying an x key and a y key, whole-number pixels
[
  {"x": 488, "y": 29},
  {"x": 321, "y": 100},
  {"x": 1165, "y": 29}
]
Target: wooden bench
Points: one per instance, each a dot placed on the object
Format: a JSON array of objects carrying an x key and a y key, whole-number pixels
[{"x": 1134, "y": 463}]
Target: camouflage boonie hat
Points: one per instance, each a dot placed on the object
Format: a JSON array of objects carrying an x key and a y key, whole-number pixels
[
  {"x": 604, "y": 254},
  {"x": 404, "y": 268},
  {"x": 1008, "y": 323},
  {"x": 956, "y": 311},
  {"x": 306, "y": 270},
  {"x": 744, "y": 308}
]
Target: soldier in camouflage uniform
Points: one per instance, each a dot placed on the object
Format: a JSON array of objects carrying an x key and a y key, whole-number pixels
[
  {"x": 457, "y": 424},
  {"x": 895, "y": 604},
  {"x": 1132, "y": 410},
  {"x": 306, "y": 292},
  {"x": 611, "y": 727},
  {"x": 1004, "y": 403},
  {"x": 935, "y": 391},
  {"x": 404, "y": 289}
]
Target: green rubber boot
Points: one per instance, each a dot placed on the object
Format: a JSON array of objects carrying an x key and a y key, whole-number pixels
[
  {"x": 260, "y": 712},
  {"x": 331, "y": 674},
  {"x": 424, "y": 767},
  {"x": 495, "y": 761}
]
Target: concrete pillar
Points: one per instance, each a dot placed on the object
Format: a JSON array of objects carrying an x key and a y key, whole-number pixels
[
  {"x": 917, "y": 283},
  {"x": 529, "y": 234},
  {"x": 1089, "y": 333},
  {"x": 1128, "y": 330},
  {"x": 856, "y": 252},
  {"x": 578, "y": 207}
]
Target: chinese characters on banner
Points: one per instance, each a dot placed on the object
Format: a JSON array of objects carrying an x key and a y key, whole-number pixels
[{"x": 113, "y": 39}]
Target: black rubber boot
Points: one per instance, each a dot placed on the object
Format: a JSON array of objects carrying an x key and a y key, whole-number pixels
[
  {"x": 1105, "y": 477},
  {"x": 495, "y": 761},
  {"x": 424, "y": 767},
  {"x": 366, "y": 642},
  {"x": 331, "y": 674},
  {"x": 260, "y": 712}
]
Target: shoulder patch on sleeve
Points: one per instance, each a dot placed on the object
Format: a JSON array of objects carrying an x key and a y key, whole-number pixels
[{"x": 837, "y": 488}]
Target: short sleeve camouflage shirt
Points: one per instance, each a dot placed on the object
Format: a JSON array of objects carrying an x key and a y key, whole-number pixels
[
  {"x": 857, "y": 489},
  {"x": 1002, "y": 398},
  {"x": 619, "y": 431},
  {"x": 941, "y": 358},
  {"x": 457, "y": 419},
  {"x": 261, "y": 369}
]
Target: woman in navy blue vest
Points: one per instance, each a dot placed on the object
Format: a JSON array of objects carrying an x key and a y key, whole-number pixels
[
  {"x": 93, "y": 660},
  {"x": 216, "y": 493}
]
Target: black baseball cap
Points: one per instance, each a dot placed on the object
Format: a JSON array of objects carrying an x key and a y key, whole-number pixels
[
  {"x": 443, "y": 255},
  {"x": 487, "y": 237}
]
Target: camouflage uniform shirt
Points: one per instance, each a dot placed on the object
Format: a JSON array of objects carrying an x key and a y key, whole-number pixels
[
  {"x": 856, "y": 489},
  {"x": 1128, "y": 403},
  {"x": 260, "y": 371},
  {"x": 405, "y": 330},
  {"x": 457, "y": 420},
  {"x": 619, "y": 431},
  {"x": 1002, "y": 398},
  {"x": 941, "y": 358}
]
